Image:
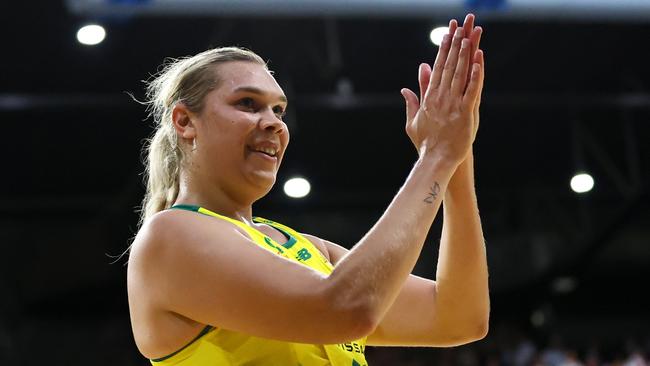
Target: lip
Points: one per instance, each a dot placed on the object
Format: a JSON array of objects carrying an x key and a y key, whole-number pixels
[
  {"x": 267, "y": 157},
  {"x": 265, "y": 144},
  {"x": 263, "y": 155}
]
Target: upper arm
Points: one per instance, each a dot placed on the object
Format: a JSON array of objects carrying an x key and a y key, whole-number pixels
[
  {"x": 209, "y": 271},
  {"x": 412, "y": 318}
]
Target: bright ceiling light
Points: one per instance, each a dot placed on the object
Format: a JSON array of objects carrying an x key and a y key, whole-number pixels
[
  {"x": 91, "y": 34},
  {"x": 582, "y": 182},
  {"x": 437, "y": 34},
  {"x": 297, "y": 187}
]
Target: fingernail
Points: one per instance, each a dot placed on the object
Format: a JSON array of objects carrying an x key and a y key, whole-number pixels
[
  {"x": 459, "y": 32},
  {"x": 464, "y": 43}
]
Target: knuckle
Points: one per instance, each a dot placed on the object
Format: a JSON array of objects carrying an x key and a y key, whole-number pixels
[{"x": 433, "y": 104}]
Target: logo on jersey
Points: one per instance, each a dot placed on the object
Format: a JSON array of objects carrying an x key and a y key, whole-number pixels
[{"x": 303, "y": 255}]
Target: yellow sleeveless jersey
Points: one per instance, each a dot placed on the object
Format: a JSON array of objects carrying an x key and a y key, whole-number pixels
[{"x": 216, "y": 346}]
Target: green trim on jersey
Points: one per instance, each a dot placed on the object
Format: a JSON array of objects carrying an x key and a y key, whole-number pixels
[
  {"x": 291, "y": 240},
  {"x": 187, "y": 207},
  {"x": 205, "y": 331}
]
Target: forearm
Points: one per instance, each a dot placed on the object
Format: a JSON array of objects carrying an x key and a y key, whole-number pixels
[
  {"x": 371, "y": 275},
  {"x": 462, "y": 275}
]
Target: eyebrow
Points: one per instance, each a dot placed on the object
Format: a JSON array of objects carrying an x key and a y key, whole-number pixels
[{"x": 258, "y": 91}]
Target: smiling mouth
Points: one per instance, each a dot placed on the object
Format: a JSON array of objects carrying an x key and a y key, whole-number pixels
[{"x": 267, "y": 151}]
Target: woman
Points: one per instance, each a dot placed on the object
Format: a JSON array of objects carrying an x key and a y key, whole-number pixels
[{"x": 210, "y": 284}]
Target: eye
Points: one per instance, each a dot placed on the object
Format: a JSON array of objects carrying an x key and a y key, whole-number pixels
[
  {"x": 279, "y": 111},
  {"x": 247, "y": 103}
]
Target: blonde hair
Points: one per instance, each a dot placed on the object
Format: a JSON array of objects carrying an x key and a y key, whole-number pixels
[{"x": 188, "y": 81}]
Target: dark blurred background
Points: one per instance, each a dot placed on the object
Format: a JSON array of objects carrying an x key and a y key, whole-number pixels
[{"x": 566, "y": 92}]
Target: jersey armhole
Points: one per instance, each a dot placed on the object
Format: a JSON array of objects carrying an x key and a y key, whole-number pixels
[{"x": 203, "y": 332}]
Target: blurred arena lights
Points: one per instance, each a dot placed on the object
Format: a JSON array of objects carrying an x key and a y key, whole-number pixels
[
  {"x": 564, "y": 285},
  {"x": 582, "y": 183},
  {"x": 297, "y": 187},
  {"x": 91, "y": 34},
  {"x": 537, "y": 318},
  {"x": 437, "y": 34}
]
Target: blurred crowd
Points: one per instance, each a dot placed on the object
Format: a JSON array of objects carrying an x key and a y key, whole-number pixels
[
  {"x": 513, "y": 348},
  {"x": 108, "y": 342}
]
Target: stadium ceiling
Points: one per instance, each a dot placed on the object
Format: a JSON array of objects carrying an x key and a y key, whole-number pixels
[{"x": 609, "y": 10}]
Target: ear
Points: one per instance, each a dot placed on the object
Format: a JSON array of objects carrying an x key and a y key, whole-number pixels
[{"x": 183, "y": 121}]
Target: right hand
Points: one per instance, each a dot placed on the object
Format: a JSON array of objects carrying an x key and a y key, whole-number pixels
[{"x": 445, "y": 122}]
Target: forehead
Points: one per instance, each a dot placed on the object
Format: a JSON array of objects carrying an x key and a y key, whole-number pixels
[{"x": 237, "y": 74}]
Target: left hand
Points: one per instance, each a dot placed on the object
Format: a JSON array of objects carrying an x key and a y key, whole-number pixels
[{"x": 424, "y": 72}]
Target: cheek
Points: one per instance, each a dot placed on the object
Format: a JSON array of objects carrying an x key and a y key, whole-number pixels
[{"x": 286, "y": 136}]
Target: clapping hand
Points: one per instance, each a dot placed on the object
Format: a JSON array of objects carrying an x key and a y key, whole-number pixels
[{"x": 444, "y": 120}]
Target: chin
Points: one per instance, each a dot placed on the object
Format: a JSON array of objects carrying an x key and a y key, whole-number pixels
[{"x": 264, "y": 182}]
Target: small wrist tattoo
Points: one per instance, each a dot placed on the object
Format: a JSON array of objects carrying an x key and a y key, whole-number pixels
[{"x": 433, "y": 193}]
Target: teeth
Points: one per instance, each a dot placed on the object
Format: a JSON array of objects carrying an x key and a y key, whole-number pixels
[{"x": 268, "y": 151}]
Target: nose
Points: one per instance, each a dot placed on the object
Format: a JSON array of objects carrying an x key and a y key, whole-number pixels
[{"x": 271, "y": 122}]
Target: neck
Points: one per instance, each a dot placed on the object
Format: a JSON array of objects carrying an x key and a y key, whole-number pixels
[{"x": 214, "y": 197}]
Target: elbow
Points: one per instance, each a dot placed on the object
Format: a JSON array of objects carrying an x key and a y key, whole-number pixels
[
  {"x": 466, "y": 330},
  {"x": 477, "y": 321},
  {"x": 368, "y": 321},
  {"x": 479, "y": 332},
  {"x": 479, "y": 327},
  {"x": 459, "y": 337},
  {"x": 354, "y": 317},
  {"x": 358, "y": 321}
]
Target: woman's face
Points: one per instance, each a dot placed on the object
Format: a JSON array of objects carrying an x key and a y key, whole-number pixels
[{"x": 240, "y": 136}]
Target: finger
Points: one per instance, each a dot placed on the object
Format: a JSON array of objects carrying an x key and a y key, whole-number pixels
[
  {"x": 459, "y": 80},
  {"x": 475, "y": 37},
  {"x": 453, "y": 25},
  {"x": 439, "y": 64},
  {"x": 412, "y": 103},
  {"x": 424, "y": 75},
  {"x": 441, "y": 58},
  {"x": 475, "y": 86},
  {"x": 478, "y": 58},
  {"x": 452, "y": 60},
  {"x": 468, "y": 29},
  {"x": 468, "y": 24}
]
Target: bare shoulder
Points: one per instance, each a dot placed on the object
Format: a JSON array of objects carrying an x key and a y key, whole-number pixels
[
  {"x": 164, "y": 246},
  {"x": 163, "y": 237},
  {"x": 174, "y": 239}
]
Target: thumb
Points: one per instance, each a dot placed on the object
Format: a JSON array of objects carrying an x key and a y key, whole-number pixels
[{"x": 412, "y": 103}]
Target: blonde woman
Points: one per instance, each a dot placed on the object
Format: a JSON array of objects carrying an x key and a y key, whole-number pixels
[{"x": 210, "y": 284}]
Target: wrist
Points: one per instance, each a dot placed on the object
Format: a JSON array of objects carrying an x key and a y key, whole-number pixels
[
  {"x": 462, "y": 181},
  {"x": 442, "y": 151},
  {"x": 437, "y": 163}
]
